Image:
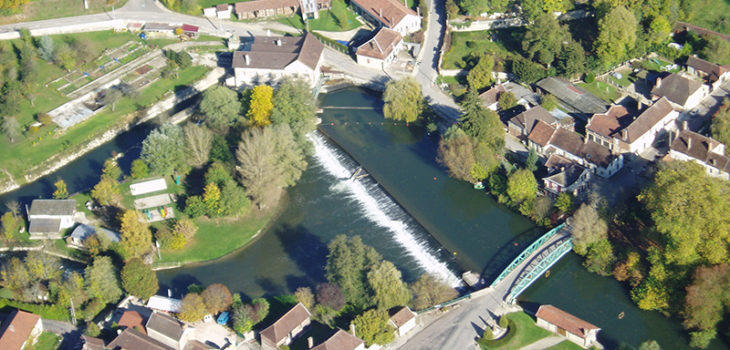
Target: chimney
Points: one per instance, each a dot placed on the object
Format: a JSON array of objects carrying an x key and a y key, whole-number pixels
[
  {"x": 684, "y": 125},
  {"x": 405, "y": 3},
  {"x": 381, "y": 12},
  {"x": 658, "y": 82},
  {"x": 277, "y": 42},
  {"x": 310, "y": 343},
  {"x": 639, "y": 105},
  {"x": 248, "y": 59},
  {"x": 624, "y": 134},
  {"x": 689, "y": 142},
  {"x": 352, "y": 329}
]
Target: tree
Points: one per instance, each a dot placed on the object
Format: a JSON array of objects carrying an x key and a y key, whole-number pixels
[
  {"x": 694, "y": 223},
  {"x": 12, "y": 96},
  {"x": 544, "y": 39},
  {"x": 571, "y": 60},
  {"x": 61, "y": 191},
  {"x": 111, "y": 169},
  {"x": 600, "y": 257},
  {"x": 111, "y": 97},
  {"x": 527, "y": 71},
  {"x": 140, "y": 170},
  {"x": 456, "y": 153},
  {"x": 481, "y": 75},
  {"x": 294, "y": 105},
  {"x": 136, "y": 235},
  {"x": 221, "y": 106},
  {"x": 164, "y": 150},
  {"x": 474, "y": 7},
  {"x": 138, "y": 279},
  {"x": 330, "y": 295},
  {"x": 194, "y": 206},
  {"x": 217, "y": 298},
  {"x": 106, "y": 192},
  {"x": 185, "y": 227},
  {"x": 587, "y": 228},
  {"x": 42, "y": 266},
  {"x": 199, "y": 141},
  {"x": 245, "y": 316},
  {"x": 452, "y": 9},
  {"x": 65, "y": 57},
  {"x": 650, "y": 345},
  {"x": 234, "y": 200},
  {"x": 183, "y": 59},
  {"x": 15, "y": 275},
  {"x": 483, "y": 125},
  {"x": 11, "y": 128},
  {"x": 721, "y": 123},
  {"x": 549, "y": 102},
  {"x": 507, "y": 100},
  {"x": 565, "y": 202},
  {"x": 522, "y": 186},
  {"x": 212, "y": 199},
  {"x": 717, "y": 50},
  {"x": 617, "y": 35},
  {"x": 659, "y": 29},
  {"x": 532, "y": 158},
  {"x": 47, "y": 48},
  {"x": 10, "y": 227},
  {"x": 403, "y": 100},
  {"x": 102, "y": 281},
  {"x": 261, "y": 105},
  {"x": 430, "y": 291},
  {"x": 269, "y": 160},
  {"x": 388, "y": 286},
  {"x": 701, "y": 339},
  {"x": 193, "y": 308},
  {"x": 306, "y": 297},
  {"x": 348, "y": 263},
  {"x": 372, "y": 326}
]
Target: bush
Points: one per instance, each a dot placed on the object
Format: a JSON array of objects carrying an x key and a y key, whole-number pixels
[
  {"x": 486, "y": 343},
  {"x": 590, "y": 77},
  {"x": 44, "y": 118},
  {"x": 92, "y": 330},
  {"x": 504, "y": 322},
  {"x": 92, "y": 309},
  {"x": 49, "y": 311}
]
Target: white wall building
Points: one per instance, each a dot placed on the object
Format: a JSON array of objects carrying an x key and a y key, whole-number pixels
[
  {"x": 571, "y": 327},
  {"x": 223, "y": 11},
  {"x": 684, "y": 93},
  {"x": 391, "y": 14},
  {"x": 49, "y": 216},
  {"x": 708, "y": 152},
  {"x": 381, "y": 49}
]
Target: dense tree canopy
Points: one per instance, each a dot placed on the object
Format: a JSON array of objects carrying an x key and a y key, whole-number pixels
[
  {"x": 102, "y": 280},
  {"x": 544, "y": 39},
  {"x": 617, "y": 35},
  {"x": 199, "y": 141},
  {"x": 721, "y": 123},
  {"x": 587, "y": 228},
  {"x": 217, "y": 298},
  {"x": 138, "y": 279},
  {"x": 164, "y": 150},
  {"x": 403, "y": 100},
  {"x": 388, "y": 286},
  {"x": 481, "y": 75},
  {"x": 193, "y": 308},
  {"x": 261, "y": 105},
  {"x": 294, "y": 105},
  {"x": 221, "y": 107},
  {"x": 372, "y": 326},
  {"x": 348, "y": 264},
  {"x": 429, "y": 291},
  {"x": 136, "y": 235}
]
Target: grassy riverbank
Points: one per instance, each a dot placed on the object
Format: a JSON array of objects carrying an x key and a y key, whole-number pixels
[{"x": 522, "y": 331}]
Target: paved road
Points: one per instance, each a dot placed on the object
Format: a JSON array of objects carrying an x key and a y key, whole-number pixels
[
  {"x": 71, "y": 335},
  {"x": 702, "y": 114}
]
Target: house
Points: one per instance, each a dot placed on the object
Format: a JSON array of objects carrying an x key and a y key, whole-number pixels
[
  {"x": 271, "y": 8},
  {"x": 341, "y": 340},
  {"x": 223, "y": 11},
  {"x": 391, "y": 14},
  {"x": 525, "y": 97},
  {"x": 522, "y": 124},
  {"x": 625, "y": 134},
  {"x": 381, "y": 49},
  {"x": 567, "y": 325},
  {"x": 91, "y": 343},
  {"x": 272, "y": 58},
  {"x": 18, "y": 328},
  {"x": 135, "y": 27},
  {"x": 404, "y": 320},
  {"x": 132, "y": 319},
  {"x": 713, "y": 74},
  {"x": 164, "y": 304},
  {"x": 159, "y": 29},
  {"x": 575, "y": 99},
  {"x": 210, "y": 12},
  {"x": 197, "y": 345},
  {"x": 584, "y": 152},
  {"x": 165, "y": 329},
  {"x": 682, "y": 92},
  {"x": 572, "y": 178},
  {"x": 708, "y": 152},
  {"x": 287, "y": 327},
  {"x": 83, "y": 231},
  {"x": 49, "y": 216},
  {"x": 540, "y": 136},
  {"x": 190, "y": 31},
  {"x": 132, "y": 339}
]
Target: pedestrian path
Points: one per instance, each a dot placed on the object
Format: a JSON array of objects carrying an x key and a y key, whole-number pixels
[{"x": 544, "y": 343}]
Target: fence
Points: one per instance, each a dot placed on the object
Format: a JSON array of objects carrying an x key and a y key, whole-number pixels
[{"x": 332, "y": 43}]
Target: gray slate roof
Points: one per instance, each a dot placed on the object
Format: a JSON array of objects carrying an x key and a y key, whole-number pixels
[
  {"x": 83, "y": 231},
  {"x": 676, "y": 88},
  {"x": 134, "y": 339},
  {"x": 165, "y": 325},
  {"x": 280, "y": 51},
  {"x": 572, "y": 96},
  {"x": 54, "y": 207},
  {"x": 44, "y": 226}
]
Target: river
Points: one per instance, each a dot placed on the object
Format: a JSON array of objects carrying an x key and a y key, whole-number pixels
[{"x": 407, "y": 208}]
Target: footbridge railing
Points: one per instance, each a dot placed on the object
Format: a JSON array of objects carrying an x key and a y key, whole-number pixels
[
  {"x": 535, "y": 246},
  {"x": 543, "y": 264}
]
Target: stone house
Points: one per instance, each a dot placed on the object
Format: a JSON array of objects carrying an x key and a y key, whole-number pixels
[
  {"x": 165, "y": 329},
  {"x": 404, "y": 320},
  {"x": 571, "y": 178},
  {"x": 712, "y": 74},
  {"x": 223, "y": 11},
  {"x": 522, "y": 124},
  {"x": 341, "y": 340},
  {"x": 286, "y": 328},
  {"x": 49, "y": 216},
  {"x": 268, "y": 59},
  {"x": 132, "y": 339},
  {"x": 271, "y": 8},
  {"x": 18, "y": 328},
  {"x": 569, "y": 326},
  {"x": 391, "y": 14},
  {"x": 708, "y": 152},
  {"x": 584, "y": 152},
  {"x": 381, "y": 49},
  {"x": 684, "y": 93}
]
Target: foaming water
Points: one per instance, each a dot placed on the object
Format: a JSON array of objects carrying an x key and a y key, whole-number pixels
[{"x": 379, "y": 208}]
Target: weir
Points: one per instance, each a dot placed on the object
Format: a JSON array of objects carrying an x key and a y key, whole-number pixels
[{"x": 379, "y": 208}]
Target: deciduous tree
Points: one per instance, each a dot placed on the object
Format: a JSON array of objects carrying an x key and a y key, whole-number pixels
[
  {"x": 717, "y": 50},
  {"x": 185, "y": 227},
  {"x": 403, "y": 100},
  {"x": 164, "y": 150},
  {"x": 544, "y": 39},
  {"x": 15, "y": 275},
  {"x": 136, "y": 235},
  {"x": 481, "y": 75},
  {"x": 456, "y": 153},
  {"x": 199, "y": 141},
  {"x": 193, "y": 308},
  {"x": 11, "y": 128},
  {"x": 388, "y": 286},
  {"x": 507, "y": 100},
  {"x": 429, "y": 291},
  {"x": 61, "y": 191},
  {"x": 707, "y": 300},
  {"x": 261, "y": 105},
  {"x": 102, "y": 281},
  {"x": 217, "y": 298},
  {"x": 212, "y": 199},
  {"x": 47, "y": 48},
  {"x": 140, "y": 170},
  {"x": 138, "y": 279},
  {"x": 721, "y": 123},
  {"x": 111, "y": 97},
  {"x": 221, "y": 107},
  {"x": 522, "y": 186},
  {"x": 617, "y": 35},
  {"x": 330, "y": 295},
  {"x": 306, "y": 297},
  {"x": 348, "y": 263},
  {"x": 43, "y": 266},
  {"x": 294, "y": 105},
  {"x": 587, "y": 228},
  {"x": 106, "y": 192},
  {"x": 600, "y": 257},
  {"x": 10, "y": 227},
  {"x": 571, "y": 60},
  {"x": 372, "y": 326}
]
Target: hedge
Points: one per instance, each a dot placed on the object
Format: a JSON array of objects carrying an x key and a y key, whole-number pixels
[
  {"x": 511, "y": 332},
  {"x": 49, "y": 311}
]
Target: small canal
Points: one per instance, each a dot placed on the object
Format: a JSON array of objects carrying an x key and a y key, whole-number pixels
[{"x": 407, "y": 208}]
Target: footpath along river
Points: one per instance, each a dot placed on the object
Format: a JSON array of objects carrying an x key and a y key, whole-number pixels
[{"x": 407, "y": 208}]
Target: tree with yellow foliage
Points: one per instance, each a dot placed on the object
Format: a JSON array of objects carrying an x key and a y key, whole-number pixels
[{"x": 259, "y": 111}]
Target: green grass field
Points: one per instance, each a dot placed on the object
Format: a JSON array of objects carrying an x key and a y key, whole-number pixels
[
  {"x": 603, "y": 90},
  {"x": 711, "y": 14},
  {"x": 46, "y": 9},
  {"x": 527, "y": 332},
  {"x": 466, "y": 45},
  {"x": 327, "y": 20},
  {"x": 565, "y": 345},
  {"x": 46, "y": 341}
]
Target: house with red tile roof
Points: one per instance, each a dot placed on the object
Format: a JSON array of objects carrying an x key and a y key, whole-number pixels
[
  {"x": 573, "y": 328},
  {"x": 132, "y": 319},
  {"x": 404, "y": 320},
  {"x": 381, "y": 49},
  {"x": 684, "y": 93},
  {"x": 19, "y": 329},
  {"x": 713, "y": 74},
  {"x": 708, "y": 152},
  {"x": 341, "y": 340},
  {"x": 391, "y": 14},
  {"x": 286, "y": 328}
]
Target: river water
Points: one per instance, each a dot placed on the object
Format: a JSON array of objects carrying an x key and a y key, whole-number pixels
[{"x": 407, "y": 208}]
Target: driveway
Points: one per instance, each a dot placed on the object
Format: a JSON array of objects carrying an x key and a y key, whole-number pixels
[
  {"x": 71, "y": 335},
  {"x": 700, "y": 116}
]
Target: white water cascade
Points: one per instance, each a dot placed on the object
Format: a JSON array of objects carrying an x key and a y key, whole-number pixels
[{"x": 376, "y": 206}]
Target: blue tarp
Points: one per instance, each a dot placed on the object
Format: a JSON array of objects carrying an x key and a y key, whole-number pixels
[
  {"x": 343, "y": 42},
  {"x": 223, "y": 318}
]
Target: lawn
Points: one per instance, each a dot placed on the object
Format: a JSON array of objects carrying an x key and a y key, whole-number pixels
[
  {"x": 46, "y": 9},
  {"x": 526, "y": 332},
  {"x": 339, "y": 19},
  {"x": 25, "y": 156},
  {"x": 711, "y": 14},
  {"x": 601, "y": 89},
  {"x": 46, "y": 341},
  {"x": 467, "y": 45},
  {"x": 565, "y": 345},
  {"x": 217, "y": 238}
]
